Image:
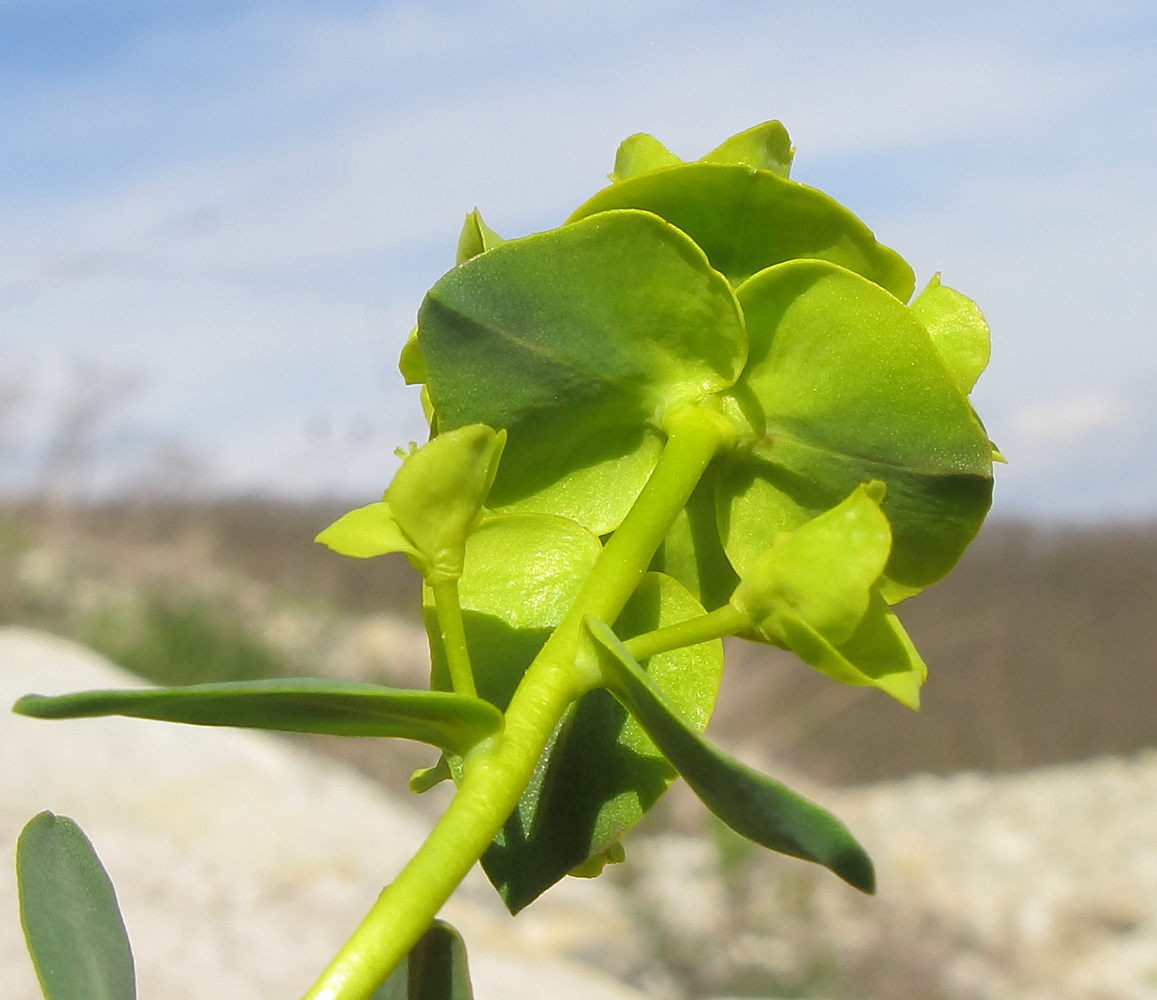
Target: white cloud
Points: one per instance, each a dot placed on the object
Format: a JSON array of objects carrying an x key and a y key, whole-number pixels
[{"x": 269, "y": 197}]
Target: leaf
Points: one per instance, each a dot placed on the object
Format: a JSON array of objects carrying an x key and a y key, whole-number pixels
[
  {"x": 640, "y": 153},
  {"x": 752, "y": 804},
  {"x": 70, "y": 916},
  {"x": 367, "y": 532},
  {"x": 746, "y": 220},
  {"x": 433, "y": 503},
  {"x": 411, "y": 364},
  {"x": 958, "y": 329},
  {"x": 452, "y": 722},
  {"x": 823, "y": 572},
  {"x": 601, "y": 772},
  {"x": 765, "y": 147},
  {"x": 578, "y": 341},
  {"x": 878, "y": 653},
  {"x": 508, "y": 613},
  {"x": 436, "y": 497},
  {"x": 435, "y": 969},
  {"x": 850, "y": 388},
  {"x": 476, "y": 238}
]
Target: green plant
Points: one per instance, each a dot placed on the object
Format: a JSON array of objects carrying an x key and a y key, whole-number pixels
[{"x": 699, "y": 408}]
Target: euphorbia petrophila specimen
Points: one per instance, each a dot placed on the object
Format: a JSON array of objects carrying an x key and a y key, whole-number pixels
[{"x": 703, "y": 406}]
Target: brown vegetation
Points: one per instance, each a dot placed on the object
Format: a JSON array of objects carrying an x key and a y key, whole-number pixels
[{"x": 1040, "y": 644}]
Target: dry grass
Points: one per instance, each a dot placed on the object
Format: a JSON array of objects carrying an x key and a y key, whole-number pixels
[{"x": 1040, "y": 644}]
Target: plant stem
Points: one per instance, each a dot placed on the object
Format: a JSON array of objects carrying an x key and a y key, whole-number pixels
[
  {"x": 496, "y": 772},
  {"x": 449, "y": 610},
  {"x": 716, "y": 624}
]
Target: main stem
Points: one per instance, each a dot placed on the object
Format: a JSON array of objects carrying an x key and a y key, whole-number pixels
[{"x": 496, "y": 771}]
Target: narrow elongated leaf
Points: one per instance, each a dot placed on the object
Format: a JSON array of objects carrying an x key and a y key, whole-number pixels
[
  {"x": 602, "y": 772},
  {"x": 435, "y": 969},
  {"x": 765, "y": 147},
  {"x": 851, "y": 388},
  {"x": 452, "y": 722},
  {"x": 577, "y": 341},
  {"x": 752, "y": 804},
  {"x": 69, "y": 912},
  {"x": 747, "y": 219}
]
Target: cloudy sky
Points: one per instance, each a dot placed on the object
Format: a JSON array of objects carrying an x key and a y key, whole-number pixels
[{"x": 218, "y": 219}]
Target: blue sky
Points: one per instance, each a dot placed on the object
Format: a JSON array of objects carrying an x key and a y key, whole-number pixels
[{"x": 237, "y": 207}]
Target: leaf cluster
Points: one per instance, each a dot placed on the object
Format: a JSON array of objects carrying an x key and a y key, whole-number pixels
[{"x": 554, "y": 508}]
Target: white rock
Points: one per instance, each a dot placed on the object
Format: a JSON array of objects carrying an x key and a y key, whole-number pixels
[{"x": 242, "y": 862}]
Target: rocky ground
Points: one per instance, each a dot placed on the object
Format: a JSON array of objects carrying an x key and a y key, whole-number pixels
[
  {"x": 1031, "y": 883},
  {"x": 242, "y": 859}
]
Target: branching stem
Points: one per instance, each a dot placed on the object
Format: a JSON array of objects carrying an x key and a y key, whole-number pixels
[
  {"x": 716, "y": 624},
  {"x": 449, "y": 611},
  {"x": 496, "y": 772}
]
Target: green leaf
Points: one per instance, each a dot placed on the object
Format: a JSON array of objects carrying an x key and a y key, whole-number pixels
[
  {"x": 367, "y": 532},
  {"x": 411, "y": 364},
  {"x": 521, "y": 575},
  {"x": 958, "y": 329},
  {"x": 746, "y": 220},
  {"x": 765, "y": 147},
  {"x": 435, "y": 969},
  {"x": 452, "y": 722},
  {"x": 578, "y": 341},
  {"x": 432, "y": 505},
  {"x": 849, "y": 388},
  {"x": 640, "y": 153},
  {"x": 437, "y": 495},
  {"x": 476, "y": 238},
  {"x": 752, "y": 804},
  {"x": 822, "y": 573},
  {"x": 69, "y": 912},
  {"x": 602, "y": 772},
  {"x": 878, "y": 653}
]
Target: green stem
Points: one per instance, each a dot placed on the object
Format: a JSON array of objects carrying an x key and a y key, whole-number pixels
[
  {"x": 716, "y": 624},
  {"x": 449, "y": 610},
  {"x": 496, "y": 772}
]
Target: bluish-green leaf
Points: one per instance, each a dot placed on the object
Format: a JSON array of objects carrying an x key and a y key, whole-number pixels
[
  {"x": 578, "y": 341},
  {"x": 69, "y": 912},
  {"x": 747, "y": 219},
  {"x": 752, "y": 804},
  {"x": 849, "y": 387},
  {"x": 435, "y": 969},
  {"x": 765, "y": 147},
  {"x": 298, "y": 705}
]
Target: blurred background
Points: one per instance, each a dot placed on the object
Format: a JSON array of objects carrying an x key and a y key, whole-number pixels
[{"x": 217, "y": 221}]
